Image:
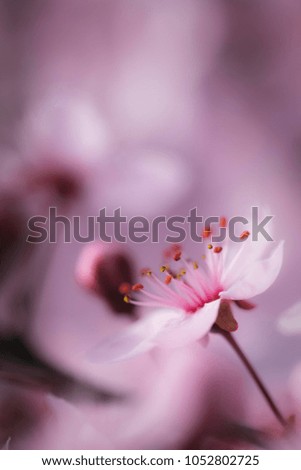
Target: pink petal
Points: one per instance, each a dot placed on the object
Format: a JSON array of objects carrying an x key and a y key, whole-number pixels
[
  {"x": 165, "y": 328},
  {"x": 190, "y": 328},
  {"x": 137, "y": 338},
  {"x": 258, "y": 275},
  {"x": 238, "y": 258}
]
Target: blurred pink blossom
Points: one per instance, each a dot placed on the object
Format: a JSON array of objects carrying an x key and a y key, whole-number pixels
[{"x": 101, "y": 269}]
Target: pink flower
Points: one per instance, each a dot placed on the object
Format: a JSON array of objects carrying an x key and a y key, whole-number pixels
[
  {"x": 101, "y": 269},
  {"x": 189, "y": 301}
]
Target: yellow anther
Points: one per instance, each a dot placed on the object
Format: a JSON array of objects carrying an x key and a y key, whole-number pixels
[
  {"x": 163, "y": 268},
  {"x": 146, "y": 272}
]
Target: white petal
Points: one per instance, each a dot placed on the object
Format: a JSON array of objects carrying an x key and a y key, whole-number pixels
[
  {"x": 137, "y": 338},
  {"x": 257, "y": 276},
  {"x": 190, "y": 328},
  {"x": 290, "y": 321},
  {"x": 165, "y": 328},
  {"x": 239, "y": 257}
]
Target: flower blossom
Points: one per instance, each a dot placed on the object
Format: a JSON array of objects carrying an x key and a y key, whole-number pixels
[
  {"x": 187, "y": 302},
  {"x": 289, "y": 322},
  {"x": 100, "y": 270}
]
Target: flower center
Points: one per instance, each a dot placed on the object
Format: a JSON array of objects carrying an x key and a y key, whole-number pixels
[{"x": 187, "y": 288}]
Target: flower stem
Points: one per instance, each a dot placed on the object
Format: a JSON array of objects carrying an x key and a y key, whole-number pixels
[{"x": 254, "y": 375}]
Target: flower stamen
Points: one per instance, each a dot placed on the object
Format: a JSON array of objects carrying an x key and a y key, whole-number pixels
[
  {"x": 188, "y": 289},
  {"x": 124, "y": 288},
  {"x": 244, "y": 235},
  {"x": 207, "y": 232},
  {"x": 177, "y": 256},
  {"x": 223, "y": 222},
  {"x": 137, "y": 287}
]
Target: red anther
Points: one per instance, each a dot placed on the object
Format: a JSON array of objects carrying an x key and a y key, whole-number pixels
[
  {"x": 124, "y": 288},
  {"x": 169, "y": 252},
  {"x": 137, "y": 287},
  {"x": 177, "y": 255},
  {"x": 168, "y": 279},
  {"x": 217, "y": 249},
  {"x": 244, "y": 235},
  {"x": 207, "y": 232},
  {"x": 223, "y": 222}
]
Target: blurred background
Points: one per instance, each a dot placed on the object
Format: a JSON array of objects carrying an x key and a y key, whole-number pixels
[{"x": 155, "y": 107}]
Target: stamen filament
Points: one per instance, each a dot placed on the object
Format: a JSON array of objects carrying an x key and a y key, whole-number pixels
[
  {"x": 200, "y": 286},
  {"x": 166, "y": 289}
]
